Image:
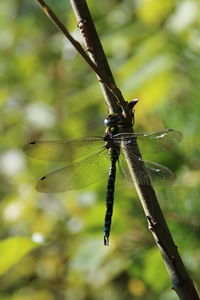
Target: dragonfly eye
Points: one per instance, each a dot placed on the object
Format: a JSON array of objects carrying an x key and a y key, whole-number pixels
[{"x": 112, "y": 120}]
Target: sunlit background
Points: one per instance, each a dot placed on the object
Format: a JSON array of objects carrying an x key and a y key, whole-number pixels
[{"x": 52, "y": 244}]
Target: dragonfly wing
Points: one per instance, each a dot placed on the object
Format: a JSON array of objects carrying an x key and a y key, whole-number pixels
[
  {"x": 64, "y": 150},
  {"x": 159, "y": 173},
  {"x": 75, "y": 176},
  {"x": 150, "y": 142},
  {"x": 145, "y": 169},
  {"x": 140, "y": 170}
]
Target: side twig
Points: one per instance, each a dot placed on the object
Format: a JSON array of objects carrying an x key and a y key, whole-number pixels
[{"x": 107, "y": 82}]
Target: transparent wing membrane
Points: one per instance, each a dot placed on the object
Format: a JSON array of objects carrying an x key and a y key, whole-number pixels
[
  {"x": 145, "y": 169},
  {"x": 159, "y": 173},
  {"x": 87, "y": 156},
  {"x": 77, "y": 175},
  {"x": 151, "y": 142},
  {"x": 69, "y": 151}
]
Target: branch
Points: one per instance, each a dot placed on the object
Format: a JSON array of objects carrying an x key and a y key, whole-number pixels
[
  {"x": 95, "y": 49},
  {"x": 51, "y": 15},
  {"x": 181, "y": 281},
  {"x": 104, "y": 74}
]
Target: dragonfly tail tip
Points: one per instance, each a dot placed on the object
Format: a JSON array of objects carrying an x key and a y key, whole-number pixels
[{"x": 106, "y": 240}]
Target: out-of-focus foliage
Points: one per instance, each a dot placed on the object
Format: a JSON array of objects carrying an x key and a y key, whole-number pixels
[
  {"x": 12, "y": 250},
  {"x": 48, "y": 92}
]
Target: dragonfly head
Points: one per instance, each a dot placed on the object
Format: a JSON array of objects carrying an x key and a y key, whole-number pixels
[{"x": 112, "y": 120}]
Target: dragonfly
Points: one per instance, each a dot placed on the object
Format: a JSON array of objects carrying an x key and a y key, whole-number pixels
[{"x": 86, "y": 156}]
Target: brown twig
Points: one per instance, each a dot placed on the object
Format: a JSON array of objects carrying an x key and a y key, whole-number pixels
[
  {"x": 96, "y": 52},
  {"x": 51, "y": 15},
  {"x": 182, "y": 283},
  {"x": 107, "y": 82}
]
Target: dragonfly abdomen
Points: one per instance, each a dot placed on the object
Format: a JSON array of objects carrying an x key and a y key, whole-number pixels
[{"x": 110, "y": 199}]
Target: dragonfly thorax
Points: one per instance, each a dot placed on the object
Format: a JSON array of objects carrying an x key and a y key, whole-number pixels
[
  {"x": 111, "y": 145},
  {"x": 108, "y": 138}
]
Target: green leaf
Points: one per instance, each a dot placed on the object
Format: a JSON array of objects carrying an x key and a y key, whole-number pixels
[{"x": 12, "y": 250}]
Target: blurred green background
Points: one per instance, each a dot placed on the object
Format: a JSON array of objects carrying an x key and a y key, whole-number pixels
[{"x": 52, "y": 244}]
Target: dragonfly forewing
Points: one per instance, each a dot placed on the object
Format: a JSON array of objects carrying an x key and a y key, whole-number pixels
[
  {"x": 150, "y": 142},
  {"x": 66, "y": 151}
]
